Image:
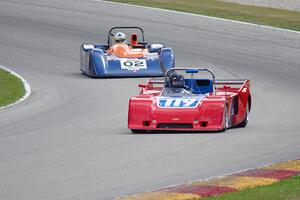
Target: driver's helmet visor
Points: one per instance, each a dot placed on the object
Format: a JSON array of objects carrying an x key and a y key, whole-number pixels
[
  {"x": 123, "y": 40},
  {"x": 177, "y": 81}
]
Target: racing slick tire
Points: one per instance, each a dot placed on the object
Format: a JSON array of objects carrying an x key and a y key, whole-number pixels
[
  {"x": 245, "y": 121},
  {"x": 137, "y": 131},
  {"x": 225, "y": 119}
]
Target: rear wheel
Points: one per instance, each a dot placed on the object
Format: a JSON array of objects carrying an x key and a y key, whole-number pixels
[{"x": 245, "y": 121}]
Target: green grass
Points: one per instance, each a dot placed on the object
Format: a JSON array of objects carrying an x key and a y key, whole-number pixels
[
  {"x": 288, "y": 189},
  {"x": 11, "y": 88},
  {"x": 253, "y": 14}
]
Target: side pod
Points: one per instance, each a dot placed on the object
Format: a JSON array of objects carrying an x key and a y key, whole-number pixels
[
  {"x": 138, "y": 112},
  {"x": 98, "y": 63},
  {"x": 85, "y": 51}
]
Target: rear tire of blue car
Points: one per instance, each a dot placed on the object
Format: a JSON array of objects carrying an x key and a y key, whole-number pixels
[{"x": 92, "y": 72}]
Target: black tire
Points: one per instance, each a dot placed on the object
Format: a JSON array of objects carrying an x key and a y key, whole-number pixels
[
  {"x": 91, "y": 71},
  {"x": 225, "y": 119},
  {"x": 137, "y": 131},
  {"x": 246, "y": 119}
]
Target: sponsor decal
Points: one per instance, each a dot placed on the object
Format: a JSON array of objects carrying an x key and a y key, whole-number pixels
[{"x": 178, "y": 102}]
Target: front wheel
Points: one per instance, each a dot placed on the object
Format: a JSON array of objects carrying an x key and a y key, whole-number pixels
[
  {"x": 225, "y": 119},
  {"x": 137, "y": 131}
]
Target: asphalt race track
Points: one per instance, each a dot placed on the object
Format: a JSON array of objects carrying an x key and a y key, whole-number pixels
[{"x": 70, "y": 140}]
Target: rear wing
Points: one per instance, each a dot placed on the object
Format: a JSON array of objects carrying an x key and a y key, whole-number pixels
[
  {"x": 156, "y": 81},
  {"x": 238, "y": 83},
  {"x": 230, "y": 82},
  {"x": 242, "y": 85},
  {"x": 152, "y": 82}
]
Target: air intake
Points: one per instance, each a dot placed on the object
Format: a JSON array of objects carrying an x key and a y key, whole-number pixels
[{"x": 174, "y": 125}]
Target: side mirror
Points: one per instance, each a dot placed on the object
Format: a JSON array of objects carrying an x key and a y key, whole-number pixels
[
  {"x": 153, "y": 48},
  {"x": 142, "y": 85},
  {"x": 88, "y": 46}
]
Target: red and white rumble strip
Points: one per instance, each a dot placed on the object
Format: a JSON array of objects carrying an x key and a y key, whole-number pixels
[{"x": 235, "y": 182}]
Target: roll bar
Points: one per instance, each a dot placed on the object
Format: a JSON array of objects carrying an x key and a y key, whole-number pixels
[
  {"x": 215, "y": 82},
  {"x": 193, "y": 70},
  {"x": 110, "y": 34},
  {"x": 156, "y": 81}
]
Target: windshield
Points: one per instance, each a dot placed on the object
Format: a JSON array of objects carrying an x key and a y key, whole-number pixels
[{"x": 177, "y": 92}]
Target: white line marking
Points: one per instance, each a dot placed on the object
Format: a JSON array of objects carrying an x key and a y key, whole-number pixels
[
  {"x": 198, "y": 15},
  {"x": 25, "y": 84}
]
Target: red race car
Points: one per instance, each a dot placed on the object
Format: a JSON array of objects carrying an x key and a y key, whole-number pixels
[{"x": 190, "y": 104}]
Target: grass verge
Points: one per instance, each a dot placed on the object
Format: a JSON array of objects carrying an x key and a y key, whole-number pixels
[
  {"x": 259, "y": 15},
  {"x": 11, "y": 88},
  {"x": 288, "y": 189}
]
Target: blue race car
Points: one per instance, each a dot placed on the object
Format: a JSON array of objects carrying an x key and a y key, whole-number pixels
[{"x": 118, "y": 58}]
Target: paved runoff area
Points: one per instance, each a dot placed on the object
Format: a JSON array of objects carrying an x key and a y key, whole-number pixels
[
  {"x": 282, "y": 4},
  {"x": 239, "y": 181}
]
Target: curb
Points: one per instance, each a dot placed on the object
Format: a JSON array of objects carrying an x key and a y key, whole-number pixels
[
  {"x": 25, "y": 84},
  {"x": 238, "y": 181},
  {"x": 198, "y": 15}
]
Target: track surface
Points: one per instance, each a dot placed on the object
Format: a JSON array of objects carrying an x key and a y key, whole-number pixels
[{"x": 69, "y": 139}]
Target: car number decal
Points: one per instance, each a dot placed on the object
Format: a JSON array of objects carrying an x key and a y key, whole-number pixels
[
  {"x": 177, "y": 103},
  {"x": 133, "y": 64}
]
